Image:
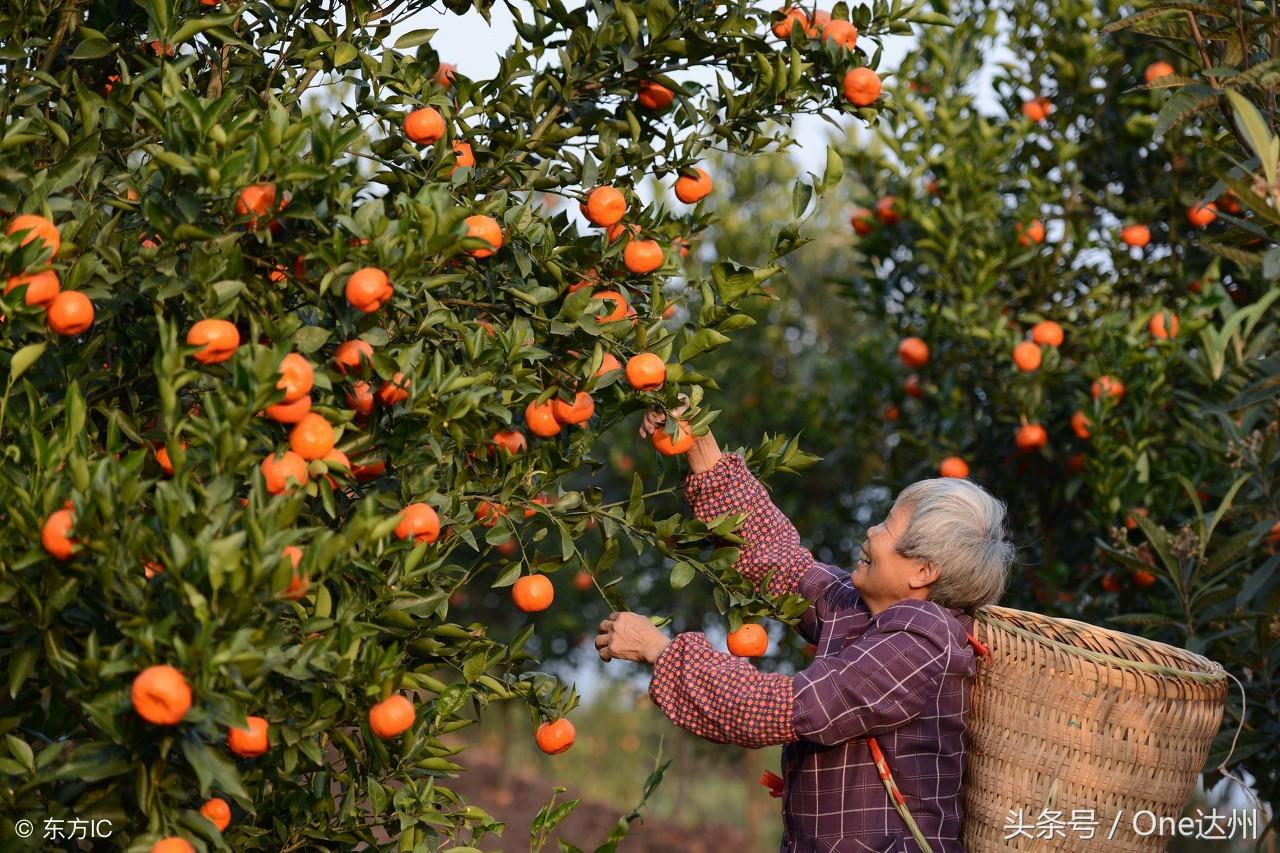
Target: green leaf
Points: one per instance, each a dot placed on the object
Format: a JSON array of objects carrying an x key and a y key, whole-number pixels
[
  {"x": 93, "y": 48},
  {"x": 681, "y": 574},
  {"x": 1260, "y": 139},
  {"x": 24, "y": 358},
  {"x": 308, "y": 339},
  {"x": 414, "y": 38},
  {"x": 702, "y": 341},
  {"x": 213, "y": 769},
  {"x": 20, "y": 664}
]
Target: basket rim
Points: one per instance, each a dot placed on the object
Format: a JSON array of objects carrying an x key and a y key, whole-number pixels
[{"x": 990, "y": 615}]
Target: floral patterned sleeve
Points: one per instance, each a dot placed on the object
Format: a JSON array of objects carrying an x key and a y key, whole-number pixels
[
  {"x": 721, "y": 697},
  {"x": 772, "y": 543}
]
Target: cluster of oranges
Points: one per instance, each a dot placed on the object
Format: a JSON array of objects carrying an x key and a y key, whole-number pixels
[
  {"x": 160, "y": 695},
  {"x": 861, "y": 86},
  {"x": 67, "y": 312}
]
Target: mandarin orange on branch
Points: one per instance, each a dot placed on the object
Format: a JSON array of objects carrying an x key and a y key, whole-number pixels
[
  {"x": 667, "y": 446},
  {"x": 249, "y": 742},
  {"x": 693, "y": 190},
  {"x": 605, "y": 206},
  {"x": 541, "y": 420},
  {"x": 70, "y": 313},
  {"x": 861, "y": 86},
  {"x": 486, "y": 228},
  {"x": 419, "y": 521},
  {"x": 646, "y": 371},
  {"x": 217, "y": 812},
  {"x": 533, "y": 593},
  {"x": 554, "y": 738},
  {"x": 749, "y": 641},
  {"x": 391, "y": 717},
  {"x": 160, "y": 695},
  {"x": 425, "y": 126},
  {"x": 368, "y": 289},
  {"x": 37, "y": 228},
  {"x": 350, "y": 354}
]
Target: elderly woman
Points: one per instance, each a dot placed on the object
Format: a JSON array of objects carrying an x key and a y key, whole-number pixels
[{"x": 893, "y": 659}]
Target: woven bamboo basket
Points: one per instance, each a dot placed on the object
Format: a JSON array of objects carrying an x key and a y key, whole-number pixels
[{"x": 1068, "y": 717}]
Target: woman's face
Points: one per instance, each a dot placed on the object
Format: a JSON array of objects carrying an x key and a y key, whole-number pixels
[{"x": 882, "y": 574}]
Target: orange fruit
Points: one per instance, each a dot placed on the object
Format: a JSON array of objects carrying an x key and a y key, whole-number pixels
[
  {"x": 643, "y": 256},
  {"x": 540, "y": 418},
  {"x": 395, "y": 390},
  {"x": 217, "y": 812},
  {"x": 369, "y": 471},
  {"x": 277, "y": 471},
  {"x": 617, "y": 229},
  {"x": 250, "y": 742},
  {"x": 1130, "y": 523},
  {"x": 487, "y": 513},
  {"x": 150, "y": 568},
  {"x": 296, "y": 377},
  {"x": 913, "y": 352},
  {"x": 577, "y": 412},
  {"x": 842, "y": 33},
  {"x": 256, "y": 199},
  {"x": 1047, "y": 333},
  {"x": 664, "y": 445},
  {"x": 420, "y": 521},
  {"x": 392, "y": 716},
  {"x": 360, "y": 398},
  {"x": 862, "y": 221},
  {"x": 312, "y": 437},
  {"x": 911, "y": 386},
  {"x": 162, "y": 457},
  {"x": 1080, "y": 424},
  {"x": 42, "y": 287},
  {"x": 555, "y": 738},
  {"x": 1034, "y": 233},
  {"x": 861, "y": 86},
  {"x": 532, "y": 593},
  {"x": 582, "y": 581},
  {"x": 542, "y": 499},
  {"x": 487, "y": 229},
  {"x": 1228, "y": 202},
  {"x": 510, "y": 440},
  {"x": 1031, "y": 437},
  {"x": 1076, "y": 463},
  {"x": 1107, "y": 385},
  {"x": 160, "y": 695},
  {"x": 646, "y": 371},
  {"x": 608, "y": 364},
  {"x": 1136, "y": 235},
  {"x": 1273, "y": 536},
  {"x": 693, "y": 190},
  {"x": 886, "y": 210},
  {"x": 654, "y": 96},
  {"x": 37, "y": 228},
  {"x": 349, "y": 354},
  {"x": 1156, "y": 70},
  {"x": 621, "y": 309},
  {"x": 1026, "y": 355},
  {"x": 605, "y": 206},
  {"x": 424, "y": 126},
  {"x": 219, "y": 339},
  {"x": 172, "y": 844},
  {"x": 1163, "y": 325},
  {"x": 339, "y": 459},
  {"x": 820, "y": 19},
  {"x": 1143, "y": 578},
  {"x": 1110, "y": 583},
  {"x": 70, "y": 313},
  {"x": 782, "y": 29},
  {"x": 463, "y": 156},
  {"x": 55, "y": 535},
  {"x": 1037, "y": 109},
  {"x": 1200, "y": 215},
  {"x": 953, "y": 466},
  {"x": 368, "y": 289},
  {"x": 289, "y": 413},
  {"x": 444, "y": 75},
  {"x": 298, "y": 583},
  {"x": 749, "y": 641}
]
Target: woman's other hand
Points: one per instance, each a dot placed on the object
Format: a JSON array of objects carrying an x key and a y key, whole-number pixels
[
  {"x": 655, "y": 418},
  {"x": 629, "y": 636}
]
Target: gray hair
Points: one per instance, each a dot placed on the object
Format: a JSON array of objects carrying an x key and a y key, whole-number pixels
[{"x": 959, "y": 527}]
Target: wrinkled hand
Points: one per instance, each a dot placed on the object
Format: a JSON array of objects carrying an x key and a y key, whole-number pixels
[
  {"x": 629, "y": 636},
  {"x": 656, "y": 417}
]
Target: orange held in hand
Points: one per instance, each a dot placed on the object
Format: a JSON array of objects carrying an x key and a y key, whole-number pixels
[
  {"x": 70, "y": 313},
  {"x": 862, "y": 86},
  {"x": 682, "y": 443},
  {"x": 605, "y": 206},
  {"x": 391, "y": 716},
  {"x": 424, "y": 126},
  {"x": 217, "y": 812},
  {"x": 1047, "y": 333},
  {"x": 541, "y": 420},
  {"x": 693, "y": 190},
  {"x": 55, "y": 535},
  {"x": 368, "y": 289},
  {"x": 218, "y": 337},
  {"x": 913, "y": 352},
  {"x": 37, "y": 228},
  {"x": 160, "y": 695},
  {"x": 250, "y": 742},
  {"x": 646, "y": 371},
  {"x": 420, "y": 521},
  {"x": 555, "y": 738},
  {"x": 532, "y": 593},
  {"x": 1026, "y": 355},
  {"x": 749, "y": 641},
  {"x": 279, "y": 470},
  {"x": 954, "y": 466},
  {"x": 487, "y": 229}
]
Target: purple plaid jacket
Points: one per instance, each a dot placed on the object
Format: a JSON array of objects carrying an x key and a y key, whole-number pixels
[{"x": 902, "y": 676}]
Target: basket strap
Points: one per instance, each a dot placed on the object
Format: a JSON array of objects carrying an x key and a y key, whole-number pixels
[{"x": 895, "y": 795}]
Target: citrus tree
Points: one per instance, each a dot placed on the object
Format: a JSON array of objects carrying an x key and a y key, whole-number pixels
[{"x": 281, "y": 379}]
